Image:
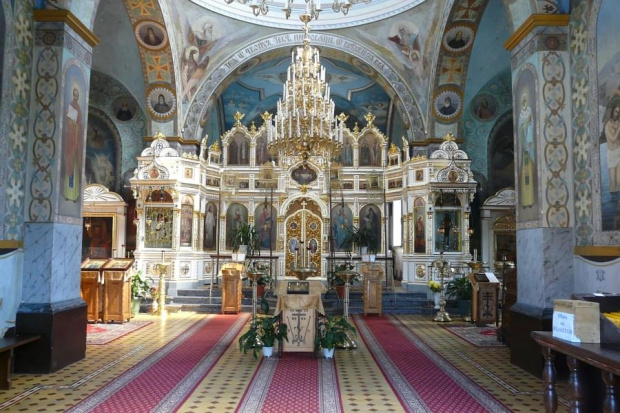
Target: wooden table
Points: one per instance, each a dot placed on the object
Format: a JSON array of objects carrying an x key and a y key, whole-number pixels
[
  {"x": 7, "y": 344},
  {"x": 577, "y": 354}
]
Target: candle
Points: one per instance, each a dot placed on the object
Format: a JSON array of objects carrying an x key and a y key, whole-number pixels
[
  {"x": 162, "y": 256},
  {"x": 296, "y": 253},
  {"x": 475, "y": 255}
]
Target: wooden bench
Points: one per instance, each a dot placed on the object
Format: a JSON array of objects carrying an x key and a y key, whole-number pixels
[{"x": 7, "y": 344}]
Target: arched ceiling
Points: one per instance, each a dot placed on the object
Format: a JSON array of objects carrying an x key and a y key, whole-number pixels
[
  {"x": 359, "y": 14},
  {"x": 256, "y": 89}
]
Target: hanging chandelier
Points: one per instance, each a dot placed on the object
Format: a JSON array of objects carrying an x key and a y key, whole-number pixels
[
  {"x": 313, "y": 7},
  {"x": 304, "y": 124}
]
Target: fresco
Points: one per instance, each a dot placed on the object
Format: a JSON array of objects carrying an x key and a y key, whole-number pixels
[
  {"x": 526, "y": 123},
  {"x": 608, "y": 55},
  {"x": 341, "y": 218},
  {"x": 74, "y": 111},
  {"x": 262, "y": 154},
  {"x": 210, "y": 232},
  {"x": 236, "y": 215},
  {"x": 238, "y": 150},
  {"x": 264, "y": 221},
  {"x": 408, "y": 45},
  {"x": 101, "y": 164}
]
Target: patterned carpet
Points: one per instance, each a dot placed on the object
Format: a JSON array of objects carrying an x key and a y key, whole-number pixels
[
  {"x": 420, "y": 377},
  {"x": 478, "y": 336},
  {"x": 100, "y": 334},
  {"x": 191, "y": 363}
]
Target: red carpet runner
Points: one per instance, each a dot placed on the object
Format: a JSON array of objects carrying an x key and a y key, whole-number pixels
[
  {"x": 297, "y": 382},
  {"x": 164, "y": 379},
  {"x": 422, "y": 380}
]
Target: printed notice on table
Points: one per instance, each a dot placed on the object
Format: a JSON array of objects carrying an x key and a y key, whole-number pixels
[{"x": 564, "y": 326}]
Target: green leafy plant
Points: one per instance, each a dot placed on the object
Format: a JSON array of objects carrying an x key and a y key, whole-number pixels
[
  {"x": 362, "y": 237},
  {"x": 140, "y": 285},
  {"x": 245, "y": 234},
  {"x": 459, "y": 288},
  {"x": 334, "y": 280},
  {"x": 332, "y": 332},
  {"x": 263, "y": 332}
]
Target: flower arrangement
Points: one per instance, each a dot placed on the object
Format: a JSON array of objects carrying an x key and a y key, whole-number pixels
[
  {"x": 435, "y": 286},
  {"x": 154, "y": 293}
]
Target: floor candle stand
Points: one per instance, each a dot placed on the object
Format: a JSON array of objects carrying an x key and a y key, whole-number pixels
[{"x": 347, "y": 276}]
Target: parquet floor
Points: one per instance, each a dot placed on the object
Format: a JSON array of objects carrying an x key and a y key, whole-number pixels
[{"x": 363, "y": 386}]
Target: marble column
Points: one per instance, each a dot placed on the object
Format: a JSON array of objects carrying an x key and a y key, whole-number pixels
[
  {"x": 51, "y": 303},
  {"x": 541, "y": 93}
]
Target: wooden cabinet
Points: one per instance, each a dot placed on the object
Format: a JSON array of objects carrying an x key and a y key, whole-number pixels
[
  {"x": 373, "y": 293},
  {"x": 231, "y": 291}
]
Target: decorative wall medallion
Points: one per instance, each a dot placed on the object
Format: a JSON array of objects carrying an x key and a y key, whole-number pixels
[
  {"x": 161, "y": 102},
  {"x": 484, "y": 107},
  {"x": 184, "y": 269},
  {"x": 207, "y": 268},
  {"x": 420, "y": 271},
  {"x": 458, "y": 38},
  {"x": 124, "y": 108},
  {"x": 151, "y": 34},
  {"x": 447, "y": 104},
  {"x": 304, "y": 175}
]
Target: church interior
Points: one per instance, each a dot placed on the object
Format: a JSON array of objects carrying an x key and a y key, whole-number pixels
[{"x": 431, "y": 187}]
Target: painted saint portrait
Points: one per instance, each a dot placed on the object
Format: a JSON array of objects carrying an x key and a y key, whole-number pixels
[
  {"x": 102, "y": 151},
  {"x": 210, "y": 230},
  {"x": 187, "y": 214},
  {"x": 370, "y": 151},
  {"x": 304, "y": 175},
  {"x": 265, "y": 217},
  {"x": 458, "y": 38},
  {"x": 447, "y": 104},
  {"x": 484, "y": 107},
  {"x": 370, "y": 217},
  {"x": 97, "y": 237},
  {"x": 419, "y": 226},
  {"x": 124, "y": 108},
  {"x": 236, "y": 215},
  {"x": 526, "y": 126},
  {"x": 158, "y": 227},
  {"x": 346, "y": 156},
  {"x": 445, "y": 222},
  {"x": 342, "y": 219},
  {"x": 238, "y": 150},
  {"x": 151, "y": 35},
  {"x": 74, "y": 111},
  {"x": 608, "y": 125},
  {"x": 161, "y": 102},
  {"x": 262, "y": 154}
]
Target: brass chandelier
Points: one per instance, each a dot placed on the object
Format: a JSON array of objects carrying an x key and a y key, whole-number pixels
[
  {"x": 304, "y": 124},
  {"x": 313, "y": 7}
]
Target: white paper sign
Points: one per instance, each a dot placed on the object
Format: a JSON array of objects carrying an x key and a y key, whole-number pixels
[
  {"x": 564, "y": 326},
  {"x": 492, "y": 278}
]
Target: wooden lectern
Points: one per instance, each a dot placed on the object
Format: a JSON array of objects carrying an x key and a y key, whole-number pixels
[
  {"x": 231, "y": 291},
  {"x": 91, "y": 287},
  {"x": 117, "y": 274},
  {"x": 485, "y": 298},
  {"x": 373, "y": 293}
]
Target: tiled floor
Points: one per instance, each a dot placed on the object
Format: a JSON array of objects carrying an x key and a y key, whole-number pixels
[{"x": 363, "y": 386}]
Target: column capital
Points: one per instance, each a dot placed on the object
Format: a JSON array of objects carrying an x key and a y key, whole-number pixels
[
  {"x": 534, "y": 21},
  {"x": 68, "y": 18}
]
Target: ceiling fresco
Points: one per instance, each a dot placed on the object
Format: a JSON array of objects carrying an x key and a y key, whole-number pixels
[{"x": 258, "y": 89}]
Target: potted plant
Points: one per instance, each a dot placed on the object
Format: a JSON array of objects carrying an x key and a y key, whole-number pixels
[
  {"x": 364, "y": 239},
  {"x": 460, "y": 289},
  {"x": 140, "y": 287},
  {"x": 332, "y": 332},
  {"x": 336, "y": 282},
  {"x": 435, "y": 287},
  {"x": 265, "y": 280},
  {"x": 263, "y": 333},
  {"x": 245, "y": 240}
]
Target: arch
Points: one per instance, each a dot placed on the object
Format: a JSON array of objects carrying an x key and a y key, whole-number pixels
[
  {"x": 501, "y": 154},
  {"x": 405, "y": 101},
  {"x": 102, "y": 163},
  {"x": 309, "y": 195}
]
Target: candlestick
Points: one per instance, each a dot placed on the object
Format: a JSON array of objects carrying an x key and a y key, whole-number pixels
[
  {"x": 308, "y": 263},
  {"x": 475, "y": 255},
  {"x": 162, "y": 256}
]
